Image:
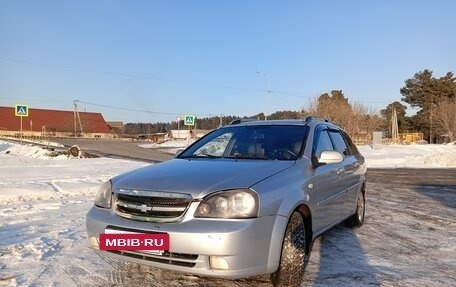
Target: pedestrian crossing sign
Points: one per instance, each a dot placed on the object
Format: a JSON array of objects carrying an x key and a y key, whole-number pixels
[
  {"x": 189, "y": 120},
  {"x": 21, "y": 110}
]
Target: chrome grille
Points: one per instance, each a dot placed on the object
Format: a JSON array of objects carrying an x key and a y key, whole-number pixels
[
  {"x": 151, "y": 206},
  {"x": 179, "y": 259}
]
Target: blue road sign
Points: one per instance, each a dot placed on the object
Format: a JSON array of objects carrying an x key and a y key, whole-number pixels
[
  {"x": 189, "y": 120},
  {"x": 21, "y": 110}
]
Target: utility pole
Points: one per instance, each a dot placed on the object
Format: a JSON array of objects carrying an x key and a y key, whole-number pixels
[
  {"x": 178, "y": 127},
  {"x": 394, "y": 127},
  {"x": 76, "y": 115},
  {"x": 74, "y": 119},
  {"x": 430, "y": 119}
]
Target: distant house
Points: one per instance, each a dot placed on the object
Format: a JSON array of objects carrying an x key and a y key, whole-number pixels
[{"x": 42, "y": 122}]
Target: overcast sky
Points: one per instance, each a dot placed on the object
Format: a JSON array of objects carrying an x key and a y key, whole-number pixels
[{"x": 152, "y": 61}]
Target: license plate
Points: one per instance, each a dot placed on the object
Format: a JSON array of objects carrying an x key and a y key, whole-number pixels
[{"x": 154, "y": 243}]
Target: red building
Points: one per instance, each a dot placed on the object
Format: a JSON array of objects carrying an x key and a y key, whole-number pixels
[{"x": 54, "y": 123}]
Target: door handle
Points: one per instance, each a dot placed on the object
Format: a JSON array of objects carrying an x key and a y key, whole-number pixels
[{"x": 340, "y": 171}]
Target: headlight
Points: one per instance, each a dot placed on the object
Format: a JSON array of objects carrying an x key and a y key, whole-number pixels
[
  {"x": 229, "y": 204},
  {"x": 103, "y": 198}
]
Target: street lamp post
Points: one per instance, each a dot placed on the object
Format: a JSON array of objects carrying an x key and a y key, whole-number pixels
[
  {"x": 178, "y": 127},
  {"x": 267, "y": 94}
]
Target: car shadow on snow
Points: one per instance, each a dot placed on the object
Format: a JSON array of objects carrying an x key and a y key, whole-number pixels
[{"x": 338, "y": 259}]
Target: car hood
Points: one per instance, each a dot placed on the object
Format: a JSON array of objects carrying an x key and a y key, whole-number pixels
[{"x": 200, "y": 177}]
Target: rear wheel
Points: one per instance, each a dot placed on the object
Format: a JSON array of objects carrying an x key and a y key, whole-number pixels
[
  {"x": 357, "y": 219},
  {"x": 294, "y": 259}
]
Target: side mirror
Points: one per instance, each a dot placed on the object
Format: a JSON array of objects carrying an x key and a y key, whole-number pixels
[{"x": 330, "y": 157}]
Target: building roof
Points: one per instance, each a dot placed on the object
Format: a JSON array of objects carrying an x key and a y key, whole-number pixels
[{"x": 53, "y": 120}]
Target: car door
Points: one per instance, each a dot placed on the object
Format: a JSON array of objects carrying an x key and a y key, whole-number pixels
[
  {"x": 328, "y": 194},
  {"x": 350, "y": 170}
]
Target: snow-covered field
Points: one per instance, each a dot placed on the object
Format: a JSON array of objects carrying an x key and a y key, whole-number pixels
[{"x": 43, "y": 201}]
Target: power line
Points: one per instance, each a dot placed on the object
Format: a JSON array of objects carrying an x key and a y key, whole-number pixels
[
  {"x": 129, "y": 75},
  {"x": 273, "y": 92},
  {"x": 277, "y": 95},
  {"x": 141, "y": 111},
  {"x": 142, "y": 76}
]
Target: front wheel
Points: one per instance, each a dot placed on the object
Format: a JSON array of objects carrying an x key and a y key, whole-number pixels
[
  {"x": 293, "y": 259},
  {"x": 357, "y": 219}
]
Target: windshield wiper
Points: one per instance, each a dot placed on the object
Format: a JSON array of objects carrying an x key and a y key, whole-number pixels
[
  {"x": 203, "y": 155},
  {"x": 246, "y": 156}
]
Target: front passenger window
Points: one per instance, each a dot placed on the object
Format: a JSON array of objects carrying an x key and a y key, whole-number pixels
[
  {"x": 323, "y": 142},
  {"x": 339, "y": 143}
]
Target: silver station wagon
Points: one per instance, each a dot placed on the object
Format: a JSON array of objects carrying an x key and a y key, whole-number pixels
[{"x": 247, "y": 199}]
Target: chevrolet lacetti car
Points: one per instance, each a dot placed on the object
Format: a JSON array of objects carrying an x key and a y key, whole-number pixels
[{"x": 246, "y": 199}]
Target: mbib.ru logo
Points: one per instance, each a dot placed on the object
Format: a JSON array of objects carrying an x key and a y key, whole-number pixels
[{"x": 134, "y": 241}]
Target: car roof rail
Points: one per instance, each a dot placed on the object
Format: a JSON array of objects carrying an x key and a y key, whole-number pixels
[
  {"x": 238, "y": 121},
  {"x": 316, "y": 118}
]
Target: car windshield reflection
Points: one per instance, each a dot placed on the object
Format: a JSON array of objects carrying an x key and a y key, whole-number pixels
[{"x": 273, "y": 142}]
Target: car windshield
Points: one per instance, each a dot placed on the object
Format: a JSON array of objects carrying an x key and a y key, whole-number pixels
[{"x": 264, "y": 142}]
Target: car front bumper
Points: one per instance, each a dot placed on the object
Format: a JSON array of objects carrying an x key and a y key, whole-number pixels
[{"x": 225, "y": 248}]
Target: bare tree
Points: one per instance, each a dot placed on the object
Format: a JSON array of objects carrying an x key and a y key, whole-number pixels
[
  {"x": 446, "y": 117},
  {"x": 354, "y": 118}
]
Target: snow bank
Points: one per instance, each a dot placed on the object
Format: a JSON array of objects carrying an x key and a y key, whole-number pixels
[
  {"x": 410, "y": 156},
  {"x": 27, "y": 173}
]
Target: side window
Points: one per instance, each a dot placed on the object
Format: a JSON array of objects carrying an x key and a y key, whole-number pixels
[
  {"x": 321, "y": 142},
  {"x": 339, "y": 143}
]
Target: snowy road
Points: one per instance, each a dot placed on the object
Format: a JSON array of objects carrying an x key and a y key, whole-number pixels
[{"x": 409, "y": 239}]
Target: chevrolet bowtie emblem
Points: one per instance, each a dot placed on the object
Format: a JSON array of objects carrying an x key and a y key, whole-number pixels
[{"x": 144, "y": 208}]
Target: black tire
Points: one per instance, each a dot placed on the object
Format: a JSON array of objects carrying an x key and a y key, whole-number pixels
[
  {"x": 357, "y": 219},
  {"x": 293, "y": 259}
]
